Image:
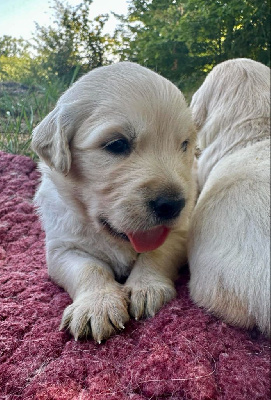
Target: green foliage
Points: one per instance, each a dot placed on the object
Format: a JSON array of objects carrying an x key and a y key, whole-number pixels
[
  {"x": 14, "y": 68},
  {"x": 73, "y": 40},
  {"x": 15, "y": 59},
  {"x": 219, "y": 30},
  {"x": 180, "y": 39},
  {"x": 12, "y": 47},
  {"x": 183, "y": 39},
  {"x": 152, "y": 32}
]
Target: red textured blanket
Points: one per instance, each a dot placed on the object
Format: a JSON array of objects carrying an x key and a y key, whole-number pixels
[{"x": 182, "y": 353}]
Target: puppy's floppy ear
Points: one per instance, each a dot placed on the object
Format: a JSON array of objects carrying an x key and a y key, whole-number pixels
[
  {"x": 52, "y": 136},
  {"x": 198, "y": 108}
]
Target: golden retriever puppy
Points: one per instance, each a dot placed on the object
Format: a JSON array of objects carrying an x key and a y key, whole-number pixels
[
  {"x": 229, "y": 239},
  {"x": 116, "y": 195}
]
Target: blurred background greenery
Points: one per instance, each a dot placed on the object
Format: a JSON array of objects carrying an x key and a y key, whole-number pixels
[{"x": 180, "y": 39}]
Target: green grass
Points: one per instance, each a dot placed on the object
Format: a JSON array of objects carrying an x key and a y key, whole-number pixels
[{"x": 21, "y": 109}]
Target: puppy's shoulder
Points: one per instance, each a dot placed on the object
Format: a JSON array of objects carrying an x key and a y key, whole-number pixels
[{"x": 250, "y": 162}]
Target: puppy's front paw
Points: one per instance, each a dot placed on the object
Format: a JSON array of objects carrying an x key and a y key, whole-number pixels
[
  {"x": 146, "y": 298},
  {"x": 98, "y": 313}
]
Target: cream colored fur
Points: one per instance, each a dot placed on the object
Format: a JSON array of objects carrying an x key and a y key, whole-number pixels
[
  {"x": 229, "y": 240},
  {"x": 82, "y": 182}
]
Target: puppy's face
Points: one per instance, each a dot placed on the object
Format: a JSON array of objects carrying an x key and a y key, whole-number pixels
[{"x": 131, "y": 157}]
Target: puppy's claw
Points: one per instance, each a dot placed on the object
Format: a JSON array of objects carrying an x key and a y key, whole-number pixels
[{"x": 66, "y": 319}]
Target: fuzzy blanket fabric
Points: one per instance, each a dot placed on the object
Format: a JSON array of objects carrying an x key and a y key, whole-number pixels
[{"x": 182, "y": 353}]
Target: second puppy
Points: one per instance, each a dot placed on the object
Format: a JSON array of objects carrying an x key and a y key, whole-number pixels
[{"x": 229, "y": 240}]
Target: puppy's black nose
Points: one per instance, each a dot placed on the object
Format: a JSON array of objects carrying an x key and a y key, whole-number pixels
[{"x": 167, "y": 208}]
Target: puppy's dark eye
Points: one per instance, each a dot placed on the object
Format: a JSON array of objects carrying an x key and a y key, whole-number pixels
[
  {"x": 120, "y": 146},
  {"x": 185, "y": 145}
]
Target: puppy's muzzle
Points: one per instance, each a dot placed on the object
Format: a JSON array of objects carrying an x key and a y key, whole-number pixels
[{"x": 166, "y": 208}]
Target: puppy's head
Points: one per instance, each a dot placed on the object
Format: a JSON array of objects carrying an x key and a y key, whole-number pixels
[
  {"x": 121, "y": 142},
  {"x": 233, "y": 92}
]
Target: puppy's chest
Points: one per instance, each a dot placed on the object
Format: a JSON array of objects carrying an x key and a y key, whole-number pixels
[
  {"x": 121, "y": 262},
  {"x": 122, "y": 271}
]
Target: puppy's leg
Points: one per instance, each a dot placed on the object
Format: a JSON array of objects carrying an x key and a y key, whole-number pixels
[
  {"x": 99, "y": 302},
  {"x": 151, "y": 282}
]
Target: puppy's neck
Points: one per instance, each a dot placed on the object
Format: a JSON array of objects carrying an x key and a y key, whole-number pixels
[{"x": 226, "y": 142}]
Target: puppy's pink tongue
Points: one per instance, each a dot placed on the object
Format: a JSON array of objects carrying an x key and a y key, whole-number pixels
[{"x": 148, "y": 240}]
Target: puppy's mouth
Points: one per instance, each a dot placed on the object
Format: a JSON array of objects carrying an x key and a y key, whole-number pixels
[
  {"x": 142, "y": 241},
  {"x": 113, "y": 232}
]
